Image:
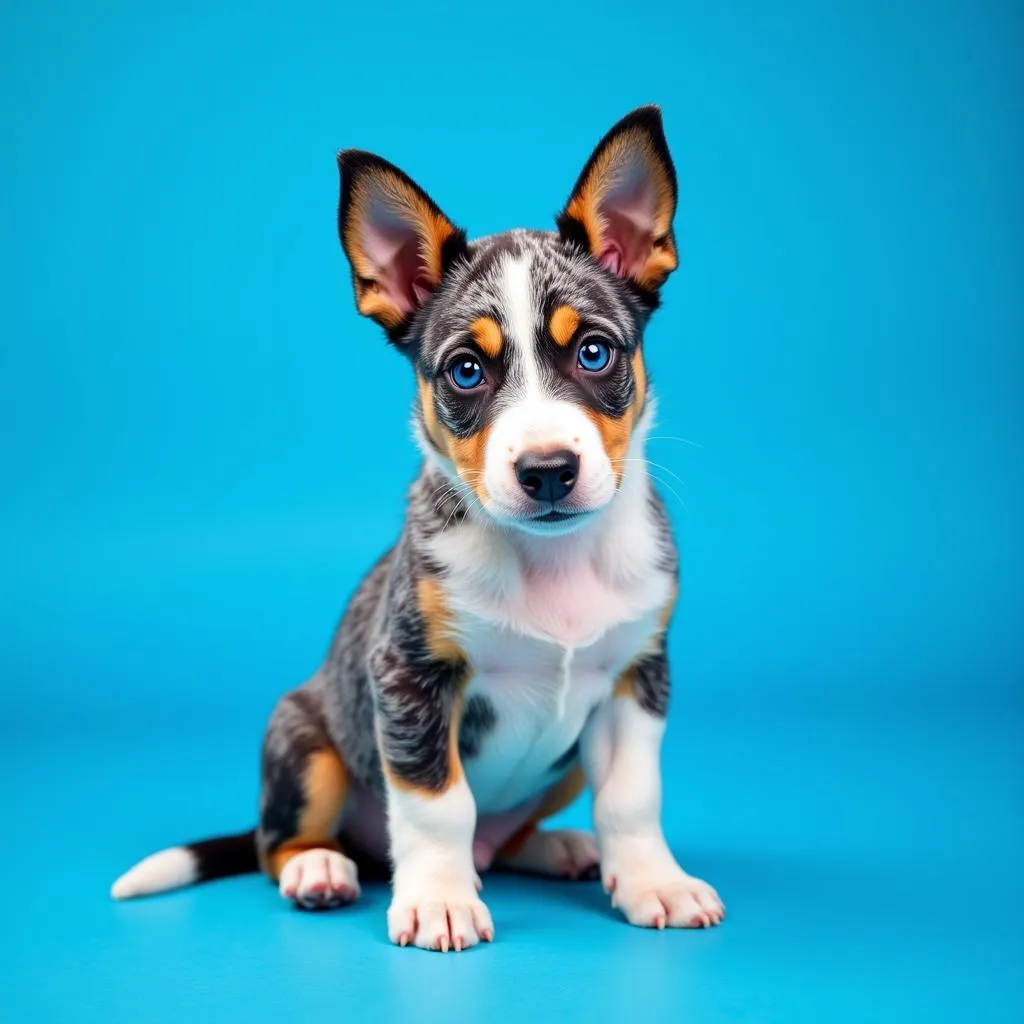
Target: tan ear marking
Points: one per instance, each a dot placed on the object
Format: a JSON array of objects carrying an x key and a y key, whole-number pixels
[
  {"x": 487, "y": 334},
  {"x": 382, "y": 187},
  {"x": 625, "y": 199},
  {"x": 394, "y": 235},
  {"x": 564, "y": 322}
]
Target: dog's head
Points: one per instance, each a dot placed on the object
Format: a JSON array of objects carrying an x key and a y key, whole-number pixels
[{"x": 526, "y": 345}]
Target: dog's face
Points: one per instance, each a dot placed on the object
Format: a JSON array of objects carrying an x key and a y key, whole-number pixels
[{"x": 526, "y": 345}]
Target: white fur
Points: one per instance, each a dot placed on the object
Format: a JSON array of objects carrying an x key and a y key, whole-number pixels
[
  {"x": 318, "y": 879},
  {"x": 548, "y": 626},
  {"x": 518, "y": 302},
  {"x": 434, "y": 902},
  {"x": 536, "y": 421},
  {"x": 168, "y": 869},
  {"x": 621, "y": 754}
]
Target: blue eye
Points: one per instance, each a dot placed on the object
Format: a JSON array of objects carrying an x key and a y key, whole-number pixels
[
  {"x": 594, "y": 355},
  {"x": 466, "y": 373}
]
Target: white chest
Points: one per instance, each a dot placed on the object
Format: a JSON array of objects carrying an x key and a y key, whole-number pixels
[
  {"x": 542, "y": 661},
  {"x": 547, "y": 632}
]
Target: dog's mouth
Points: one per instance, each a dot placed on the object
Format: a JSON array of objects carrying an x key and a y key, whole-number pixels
[{"x": 556, "y": 516}]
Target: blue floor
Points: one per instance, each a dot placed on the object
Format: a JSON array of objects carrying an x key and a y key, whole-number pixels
[
  {"x": 871, "y": 866},
  {"x": 202, "y": 449}
]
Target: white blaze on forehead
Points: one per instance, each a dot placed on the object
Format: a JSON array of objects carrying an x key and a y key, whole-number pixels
[{"x": 518, "y": 303}]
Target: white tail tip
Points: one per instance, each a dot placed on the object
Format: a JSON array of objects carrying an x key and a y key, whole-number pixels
[{"x": 168, "y": 869}]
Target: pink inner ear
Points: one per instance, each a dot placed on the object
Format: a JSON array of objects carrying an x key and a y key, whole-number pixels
[
  {"x": 628, "y": 210},
  {"x": 391, "y": 246}
]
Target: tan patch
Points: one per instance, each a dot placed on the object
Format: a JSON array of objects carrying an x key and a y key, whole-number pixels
[
  {"x": 556, "y": 799},
  {"x": 513, "y": 846},
  {"x": 625, "y": 686},
  {"x": 561, "y": 794},
  {"x": 670, "y": 606},
  {"x": 324, "y": 788},
  {"x": 468, "y": 454},
  {"x": 661, "y": 262},
  {"x": 639, "y": 383},
  {"x": 615, "y": 434},
  {"x": 436, "y": 433},
  {"x": 487, "y": 335},
  {"x": 432, "y": 230},
  {"x": 585, "y": 205},
  {"x": 564, "y": 322},
  {"x": 275, "y": 863},
  {"x": 438, "y": 621},
  {"x": 372, "y": 303},
  {"x": 454, "y": 761}
]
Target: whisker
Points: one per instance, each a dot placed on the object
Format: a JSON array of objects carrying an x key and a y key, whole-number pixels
[
  {"x": 669, "y": 437},
  {"x": 672, "y": 490},
  {"x": 657, "y": 465}
]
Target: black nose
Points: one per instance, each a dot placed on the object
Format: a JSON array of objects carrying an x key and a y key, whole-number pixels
[{"x": 548, "y": 476}]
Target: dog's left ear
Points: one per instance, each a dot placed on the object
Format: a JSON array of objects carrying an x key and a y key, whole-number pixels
[
  {"x": 397, "y": 240},
  {"x": 623, "y": 204}
]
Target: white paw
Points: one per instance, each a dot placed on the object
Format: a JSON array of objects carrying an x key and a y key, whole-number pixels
[
  {"x": 670, "y": 899},
  {"x": 434, "y": 913},
  {"x": 560, "y": 853},
  {"x": 319, "y": 879}
]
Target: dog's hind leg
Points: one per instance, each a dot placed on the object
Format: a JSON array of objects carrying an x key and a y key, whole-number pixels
[
  {"x": 304, "y": 786},
  {"x": 557, "y": 853}
]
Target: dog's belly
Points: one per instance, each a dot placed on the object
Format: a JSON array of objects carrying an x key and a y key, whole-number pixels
[{"x": 532, "y": 699}]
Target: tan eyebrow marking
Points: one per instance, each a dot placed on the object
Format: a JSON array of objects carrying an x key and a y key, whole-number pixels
[
  {"x": 564, "y": 322},
  {"x": 487, "y": 334}
]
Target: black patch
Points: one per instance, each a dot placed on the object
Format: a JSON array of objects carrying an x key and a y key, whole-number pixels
[
  {"x": 478, "y": 719},
  {"x": 415, "y": 704},
  {"x": 484, "y": 258},
  {"x": 609, "y": 392},
  {"x": 566, "y": 760},
  {"x": 651, "y": 682},
  {"x": 416, "y": 693},
  {"x": 463, "y": 412},
  {"x": 225, "y": 856}
]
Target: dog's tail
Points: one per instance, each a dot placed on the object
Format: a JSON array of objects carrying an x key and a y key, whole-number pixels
[{"x": 185, "y": 865}]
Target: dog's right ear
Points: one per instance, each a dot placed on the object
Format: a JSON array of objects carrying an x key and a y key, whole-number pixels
[{"x": 397, "y": 240}]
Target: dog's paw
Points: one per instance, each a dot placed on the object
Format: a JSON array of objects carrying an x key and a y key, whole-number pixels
[
  {"x": 319, "y": 880},
  {"x": 671, "y": 899},
  {"x": 559, "y": 853},
  {"x": 438, "y": 916}
]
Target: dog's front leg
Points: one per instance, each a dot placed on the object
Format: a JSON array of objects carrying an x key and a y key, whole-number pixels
[
  {"x": 621, "y": 752},
  {"x": 431, "y": 811}
]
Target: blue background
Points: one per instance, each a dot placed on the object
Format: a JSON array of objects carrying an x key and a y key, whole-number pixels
[{"x": 204, "y": 447}]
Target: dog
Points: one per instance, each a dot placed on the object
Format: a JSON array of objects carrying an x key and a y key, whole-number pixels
[{"x": 510, "y": 649}]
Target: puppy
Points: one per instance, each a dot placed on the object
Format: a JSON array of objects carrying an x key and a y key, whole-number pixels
[{"x": 510, "y": 648}]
